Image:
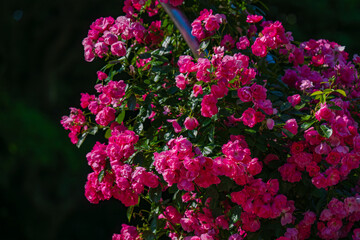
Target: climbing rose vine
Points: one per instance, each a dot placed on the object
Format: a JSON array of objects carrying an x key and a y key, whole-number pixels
[{"x": 254, "y": 136}]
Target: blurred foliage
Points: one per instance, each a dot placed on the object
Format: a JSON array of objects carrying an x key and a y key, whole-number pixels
[{"x": 42, "y": 74}]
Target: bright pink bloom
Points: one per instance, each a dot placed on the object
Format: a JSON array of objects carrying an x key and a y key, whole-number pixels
[
  {"x": 243, "y": 43},
  {"x": 176, "y": 125},
  {"x": 208, "y": 106},
  {"x": 101, "y": 49},
  {"x": 292, "y": 126},
  {"x": 118, "y": 49},
  {"x": 244, "y": 94},
  {"x": 227, "y": 42},
  {"x": 101, "y": 75},
  {"x": 191, "y": 123},
  {"x": 325, "y": 113},
  {"x": 294, "y": 99},
  {"x": 185, "y": 64},
  {"x": 253, "y": 18},
  {"x": 181, "y": 81},
  {"x": 249, "y": 117},
  {"x": 86, "y": 99},
  {"x": 197, "y": 89},
  {"x": 105, "y": 116}
]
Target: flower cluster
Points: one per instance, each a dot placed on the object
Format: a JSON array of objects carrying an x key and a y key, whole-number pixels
[
  {"x": 75, "y": 122},
  {"x": 182, "y": 166},
  {"x": 257, "y": 136},
  {"x": 127, "y": 233},
  {"x": 338, "y": 218},
  {"x": 121, "y": 181},
  {"x": 103, "y": 37},
  {"x": 206, "y": 24}
]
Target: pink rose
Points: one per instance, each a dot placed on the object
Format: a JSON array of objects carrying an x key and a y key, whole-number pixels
[
  {"x": 101, "y": 75},
  {"x": 191, "y": 123},
  {"x": 294, "y": 99},
  {"x": 105, "y": 116},
  {"x": 181, "y": 81},
  {"x": 118, "y": 49},
  {"x": 253, "y": 18},
  {"x": 325, "y": 113},
  {"x": 101, "y": 49},
  {"x": 248, "y": 117},
  {"x": 244, "y": 94},
  {"x": 197, "y": 89},
  {"x": 243, "y": 43},
  {"x": 292, "y": 126}
]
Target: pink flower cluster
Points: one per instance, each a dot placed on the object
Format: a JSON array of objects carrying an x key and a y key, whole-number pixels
[
  {"x": 338, "y": 218},
  {"x": 302, "y": 230},
  {"x": 182, "y": 166},
  {"x": 103, "y": 106},
  {"x": 201, "y": 222},
  {"x": 122, "y": 181},
  {"x": 103, "y": 37},
  {"x": 227, "y": 68},
  {"x": 336, "y": 155},
  {"x": 331, "y": 57},
  {"x": 206, "y": 24},
  {"x": 272, "y": 36},
  {"x": 197, "y": 220},
  {"x": 260, "y": 200},
  {"x": 257, "y": 95},
  {"x": 127, "y": 233},
  {"x": 75, "y": 122}
]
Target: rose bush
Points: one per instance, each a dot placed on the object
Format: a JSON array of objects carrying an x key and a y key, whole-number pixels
[{"x": 254, "y": 136}]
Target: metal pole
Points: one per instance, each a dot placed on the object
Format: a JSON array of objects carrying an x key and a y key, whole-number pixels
[{"x": 182, "y": 23}]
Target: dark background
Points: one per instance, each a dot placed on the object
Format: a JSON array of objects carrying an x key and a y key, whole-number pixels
[{"x": 42, "y": 73}]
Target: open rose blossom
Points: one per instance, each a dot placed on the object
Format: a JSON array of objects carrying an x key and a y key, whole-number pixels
[{"x": 191, "y": 123}]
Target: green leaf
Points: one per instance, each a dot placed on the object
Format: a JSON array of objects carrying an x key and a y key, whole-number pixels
[
  {"x": 121, "y": 117},
  {"x": 153, "y": 224},
  {"x": 148, "y": 235},
  {"x": 172, "y": 90},
  {"x": 305, "y": 118},
  {"x": 101, "y": 176},
  {"x": 145, "y": 55},
  {"x": 342, "y": 92},
  {"x": 288, "y": 133},
  {"x": 108, "y": 133},
  {"x": 93, "y": 130},
  {"x": 307, "y": 125},
  {"x": 206, "y": 151},
  {"x": 206, "y": 122},
  {"x": 155, "y": 194},
  {"x": 235, "y": 213},
  {"x": 204, "y": 45},
  {"x": 277, "y": 93},
  {"x": 81, "y": 139},
  {"x": 335, "y": 107},
  {"x": 316, "y": 93},
  {"x": 285, "y": 106},
  {"x": 328, "y": 91},
  {"x": 132, "y": 102},
  {"x": 298, "y": 107},
  {"x": 325, "y": 131},
  {"x": 138, "y": 128},
  {"x": 211, "y": 134},
  {"x": 129, "y": 212}
]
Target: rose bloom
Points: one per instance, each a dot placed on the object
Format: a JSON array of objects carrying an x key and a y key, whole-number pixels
[{"x": 191, "y": 123}]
